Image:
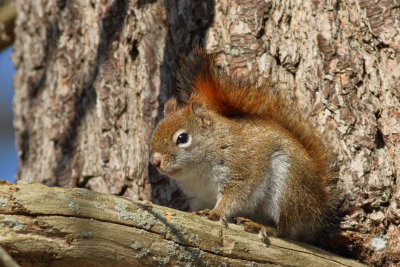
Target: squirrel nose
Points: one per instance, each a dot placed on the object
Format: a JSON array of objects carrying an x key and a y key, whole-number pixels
[{"x": 156, "y": 160}]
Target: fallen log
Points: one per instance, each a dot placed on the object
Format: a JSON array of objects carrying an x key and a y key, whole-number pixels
[{"x": 51, "y": 226}]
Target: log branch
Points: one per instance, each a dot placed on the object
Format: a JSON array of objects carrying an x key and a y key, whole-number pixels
[{"x": 53, "y": 226}]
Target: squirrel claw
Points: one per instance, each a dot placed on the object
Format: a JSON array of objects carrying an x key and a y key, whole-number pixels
[
  {"x": 203, "y": 213},
  {"x": 209, "y": 214},
  {"x": 253, "y": 227},
  {"x": 213, "y": 216},
  {"x": 223, "y": 221},
  {"x": 263, "y": 236}
]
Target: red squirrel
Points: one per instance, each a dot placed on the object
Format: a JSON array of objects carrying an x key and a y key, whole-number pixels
[{"x": 240, "y": 149}]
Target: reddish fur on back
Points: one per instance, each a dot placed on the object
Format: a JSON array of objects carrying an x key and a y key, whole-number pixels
[{"x": 236, "y": 97}]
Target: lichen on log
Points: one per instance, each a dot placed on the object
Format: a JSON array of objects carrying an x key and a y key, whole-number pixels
[{"x": 52, "y": 226}]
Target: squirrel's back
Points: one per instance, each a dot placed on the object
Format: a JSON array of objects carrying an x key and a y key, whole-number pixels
[{"x": 199, "y": 79}]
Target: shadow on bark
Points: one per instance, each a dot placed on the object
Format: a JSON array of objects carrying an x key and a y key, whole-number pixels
[
  {"x": 185, "y": 31},
  {"x": 112, "y": 26}
]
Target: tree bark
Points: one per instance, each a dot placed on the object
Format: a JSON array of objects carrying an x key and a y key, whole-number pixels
[
  {"x": 49, "y": 226},
  {"x": 92, "y": 77}
]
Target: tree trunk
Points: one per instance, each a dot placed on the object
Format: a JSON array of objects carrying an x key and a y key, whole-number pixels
[
  {"x": 49, "y": 226},
  {"x": 92, "y": 76}
]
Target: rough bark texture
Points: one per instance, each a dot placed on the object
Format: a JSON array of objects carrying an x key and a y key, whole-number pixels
[
  {"x": 91, "y": 78},
  {"x": 44, "y": 226},
  {"x": 86, "y": 91}
]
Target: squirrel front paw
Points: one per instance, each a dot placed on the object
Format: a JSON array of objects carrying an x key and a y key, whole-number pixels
[
  {"x": 252, "y": 227},
  {"x": 213, "y": 215}
]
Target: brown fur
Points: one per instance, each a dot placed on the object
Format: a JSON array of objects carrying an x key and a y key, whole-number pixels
[
  {"x": 245, "y": 140},
  {"x": 235, "y": 97}
]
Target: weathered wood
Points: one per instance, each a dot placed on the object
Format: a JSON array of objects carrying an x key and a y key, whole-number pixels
[
  {"x": 52, "y": 226},
  {"x": 92, "y": 76},
  {"x": 7, "y": 22}
]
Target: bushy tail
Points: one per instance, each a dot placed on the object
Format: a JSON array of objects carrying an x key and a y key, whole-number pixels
[{"x": 199, "y": 79}]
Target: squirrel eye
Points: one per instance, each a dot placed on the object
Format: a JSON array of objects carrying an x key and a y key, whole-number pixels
[{"x": 181, "y": 138}]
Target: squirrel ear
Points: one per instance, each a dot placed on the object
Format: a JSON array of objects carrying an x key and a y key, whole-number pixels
[
  {"x": 170, "y": 106},
  {"x": 199, "y": 110}
]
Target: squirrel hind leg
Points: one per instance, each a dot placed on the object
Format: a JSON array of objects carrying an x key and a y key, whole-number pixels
[
  {"x": 302, "y": 231},
  {"x": 264, "y": 231}
]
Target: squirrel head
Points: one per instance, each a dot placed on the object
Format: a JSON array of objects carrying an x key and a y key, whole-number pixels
[
  {"x": 179, "y": 141},
  {"x": 187, "y": 134}
]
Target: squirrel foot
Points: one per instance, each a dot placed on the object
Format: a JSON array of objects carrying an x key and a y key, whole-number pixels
[
  {"x": 214, "y": 216},
  {"x": 252, "y": 227}
]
